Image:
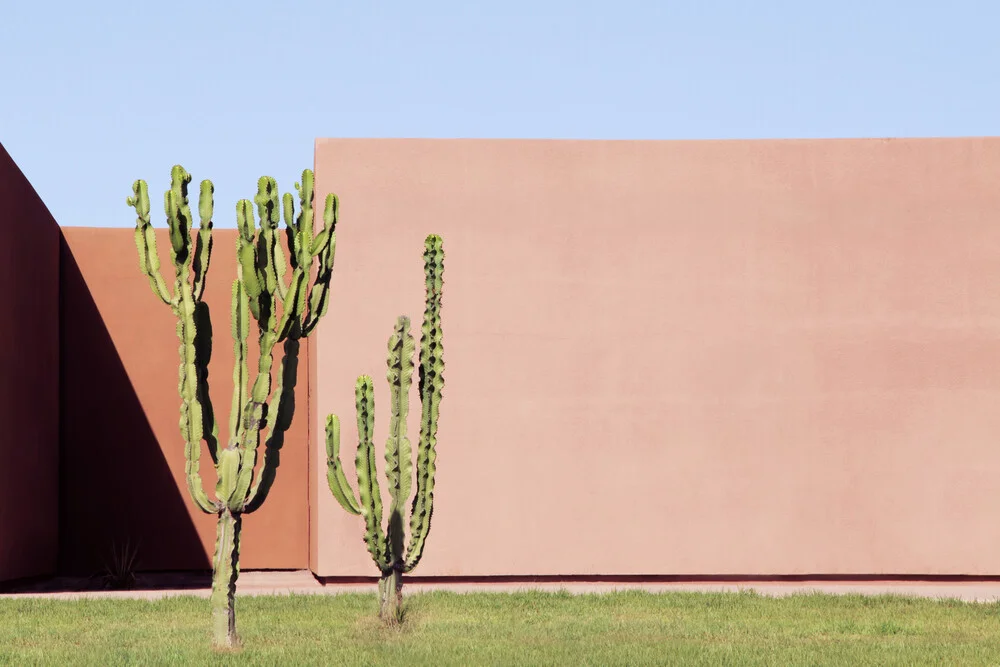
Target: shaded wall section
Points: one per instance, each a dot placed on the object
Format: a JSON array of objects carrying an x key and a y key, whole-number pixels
[
  {"x": 712, "y": 357},
  {"x": 123, "y": 456},
  {"x": 29, "y": 378}
]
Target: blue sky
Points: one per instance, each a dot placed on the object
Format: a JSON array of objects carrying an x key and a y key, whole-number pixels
[{"x": 95, "y": 95}]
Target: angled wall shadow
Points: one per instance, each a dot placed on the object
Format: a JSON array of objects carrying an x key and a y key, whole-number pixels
[
  {"x": 116, "y": 486},
  {"x": 29, "y": 375}
]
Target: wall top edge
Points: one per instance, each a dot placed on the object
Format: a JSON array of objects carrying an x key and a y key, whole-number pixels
[{"x": 566, "y": 140}]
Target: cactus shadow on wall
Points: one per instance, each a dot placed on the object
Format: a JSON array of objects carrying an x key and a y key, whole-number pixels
[{"x": 115, "y": 484}]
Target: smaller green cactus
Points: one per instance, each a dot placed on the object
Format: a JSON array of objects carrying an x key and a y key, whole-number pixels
[{"x": 387, "y": 547}]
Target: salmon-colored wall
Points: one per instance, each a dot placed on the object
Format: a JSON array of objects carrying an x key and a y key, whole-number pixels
[
  {"x": 123, "y": 455},
  {"x": 705, "y": 357},
  {"x": 29, "y": 378}
]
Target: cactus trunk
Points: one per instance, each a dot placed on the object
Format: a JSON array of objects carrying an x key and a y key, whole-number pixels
[
  {"x": 390, "y": 596},
  {"x": 225, "y": 570}
]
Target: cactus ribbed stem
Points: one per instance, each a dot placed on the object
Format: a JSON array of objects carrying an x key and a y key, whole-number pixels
[
  {"x": 431, "y": 384},
  {"x": 226, "y": 569},
  {"x": 390, "y": 596}
]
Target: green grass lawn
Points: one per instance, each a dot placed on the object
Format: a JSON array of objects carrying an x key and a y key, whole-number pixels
[{"x": 627, "y": 628}]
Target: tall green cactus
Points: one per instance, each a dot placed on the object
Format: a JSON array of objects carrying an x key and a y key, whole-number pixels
[
  {"x": 285, "y": 313},
  {"x": 387, "y": 548}
]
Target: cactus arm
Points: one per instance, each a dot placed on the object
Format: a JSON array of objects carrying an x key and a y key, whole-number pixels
[
  {"x": 323, "y": 246},
  {"x": 178, "y": 210},
  {"x": 203, "y": 355},
  {"x": 253, "y": 421},
  {"x": 203, "y": 321},
  {"x": 145, "y": 241},
  {"x": 240, "y": 330},
  {"x": 279, "y": 263},
  {"x": 278, "y": 422},
  {"x": 278, "y": 259},
  {"x": 431, "y": 383},
  {"x": 228, "y": 472},
  {"x": 191, "y": 421},
  {"x": 203, "y": 244},
  {"x": 269, "y": 212},
  {"x": 335, "y": 477},
  {"x": 304, "y": 225},
  {"x": 291, "y": 228},
  {"x": 197, "y": 419},
  {"x": 288, "y": 208},
  {"x": 368, "y": 487},
  {"x": 398, "y": 452},
  {"x": 260, "y": 395},
  {"x": 331, "y": 213},
  {"x": 246, "y": 254},
  {"x": 149, "y": 262},
  {"x": 293, "y": 303},
  {"x": 253, "y": 413}
]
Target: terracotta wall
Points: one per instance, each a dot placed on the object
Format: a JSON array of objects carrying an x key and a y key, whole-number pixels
[
  {"x": 123, "y": 458},
  {"x": 712, "y": 357},
  {"x": 29, "y": 378}
]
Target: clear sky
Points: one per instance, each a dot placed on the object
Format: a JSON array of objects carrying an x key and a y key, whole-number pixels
[{"x": 96, "y": 94}]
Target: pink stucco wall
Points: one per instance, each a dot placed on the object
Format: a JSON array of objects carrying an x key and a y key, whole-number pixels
[{"x": 712, "y": 357}]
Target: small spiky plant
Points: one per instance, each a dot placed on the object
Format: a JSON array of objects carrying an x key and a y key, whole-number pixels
[{"x": 119, "y": 570}]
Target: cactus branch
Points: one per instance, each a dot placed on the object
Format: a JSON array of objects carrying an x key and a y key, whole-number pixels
[
  {"x": 203, "y": 244},
  {"x": 192, "y": 418},
  {"x": 368, "y": 487},
  {"x": 324, "y": 246},
  {"x": 203, "y": 355},
  {"x": 335, "y": 477},
  {"x": 431, "y": 385},
  {"x": 278, "y": 422},
  {"x": 145, "y": 241},
  {"x": 398, "y": 452}
]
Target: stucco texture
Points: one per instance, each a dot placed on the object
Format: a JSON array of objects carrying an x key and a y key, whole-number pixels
[{"x": 705, "y": 357}]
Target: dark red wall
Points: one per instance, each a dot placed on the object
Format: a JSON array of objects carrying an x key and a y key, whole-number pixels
[
  {"x": 123, "y": 475},
  {"x": 91, "y": 456},
  {"x": 29, "y": 378}
]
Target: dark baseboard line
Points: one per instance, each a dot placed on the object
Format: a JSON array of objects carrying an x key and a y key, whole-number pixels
[{"x": 677, "y": 579}]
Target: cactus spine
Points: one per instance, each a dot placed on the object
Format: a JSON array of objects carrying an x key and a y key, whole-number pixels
[
  {"x": 284, "y": 312},
  {"x": 387, "y": 548}
]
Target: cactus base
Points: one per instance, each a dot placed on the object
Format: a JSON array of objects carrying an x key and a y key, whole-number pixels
[
  {"x": 390, "y": 596},
  {"x": 225, "y": 570}
]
